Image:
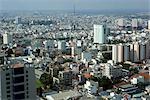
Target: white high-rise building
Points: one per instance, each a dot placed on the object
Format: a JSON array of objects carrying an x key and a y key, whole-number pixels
[
  {"x": 99, "y": 34},
  {"x": 127, "y": 52},
  {"x": 7, "y": 38},
  {"x": 136, "y": 52},
  {"x": 115, "y": 53},
  {"x": 121, "y": 22},
  {"x": 120, "y": 53},
  {"x": 17, "y": 82},
  {"x": 134, "y": 23},
  {"x": 62, "y": 45},
  {"x": 149, "y": 24},
  {"x": 18, "y": 20}
]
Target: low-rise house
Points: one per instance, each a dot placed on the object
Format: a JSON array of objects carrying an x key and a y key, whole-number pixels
[
  {"x": 128, "y": 88},
  {"x": 91, "y": 87},
  {"x": 136, "y": 80}
]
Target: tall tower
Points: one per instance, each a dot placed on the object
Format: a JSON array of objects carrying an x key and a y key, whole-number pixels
[
  {"x": 7, "y": 38},
  {"x": 115, "y": 53},
  {"x": 18, "y": 20},
  {"x": 99, "y": 34},
  {"x": 74, "y": 14},
  {"x": 17, "y": 82},
  {"x": 149, "y": 24},
  {"x": 121, "y": 22},
  {"x": 134, "y": 23}
]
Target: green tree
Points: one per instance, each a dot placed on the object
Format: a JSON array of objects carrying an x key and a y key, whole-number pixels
[
  {"x": 104, "y": 82},
  {"x": 46, "y": 80}
]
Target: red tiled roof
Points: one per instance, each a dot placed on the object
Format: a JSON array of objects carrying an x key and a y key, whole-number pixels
[
  {"x": 17, "y": 65},
  {"x": 145, "y": 75},
  {"x": 121, "y": 83},
  {"x": 87, "y": 75}
]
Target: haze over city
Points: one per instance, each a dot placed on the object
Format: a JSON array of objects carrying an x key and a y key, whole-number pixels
[
  {"x": 74, "y": 49},
  {"x": 141, "y": 5}
]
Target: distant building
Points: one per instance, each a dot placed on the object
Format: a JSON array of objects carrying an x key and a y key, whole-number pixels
[
  {"x": 49, "y": 44},
  {"x": 134, "y": 52},
  {"x": 121, "y": 22},
  {"x": 149, "y": 24},
  {"x": 115, "y": 53},
  {"x": 7, "y": 38},
  {"x": 18, "y": 20},
  {"x": 134, "y": 23},
  {"x": 100, "y": 34},
  {"x": 62, "y": 45}
]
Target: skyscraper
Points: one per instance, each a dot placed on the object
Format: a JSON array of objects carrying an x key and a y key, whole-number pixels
[
  {"x": 149, "y": 24},
  {"x": 121, "y": 22},
  {"x": 17, "y": 82},
  {"x": 134, "y": 23},
  {"x": 18, "y": 20},
  {"x": 99, "y": 34},
  {"x": 7, "y": 38}
]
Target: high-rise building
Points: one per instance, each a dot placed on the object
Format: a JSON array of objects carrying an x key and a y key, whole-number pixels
[
  {"x": 62, "y": 45},
  {"x": 149, "y": 24},
  {"x": 18, "y": 20},
  {"x": 120, "y": 53},
  {"x": 142, "y": 51},
  {"x": 17, "y": 82},
  {"x": 7, "y": 38},
  {"x": 134, "y": 23},
  {"x": 115, "y": 53},
  {"x": 136, "y": 52},
  {"x": 121, "y": 22},
  {"x": 99, "y": 34},
  {"x": 127, "y": 52}
]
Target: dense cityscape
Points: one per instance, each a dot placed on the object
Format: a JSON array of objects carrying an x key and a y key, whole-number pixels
[{"x": 74, "y": 56}]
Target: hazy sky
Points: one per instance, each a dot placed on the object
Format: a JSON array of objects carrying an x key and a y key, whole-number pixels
[{"x": 80, "y": 4}]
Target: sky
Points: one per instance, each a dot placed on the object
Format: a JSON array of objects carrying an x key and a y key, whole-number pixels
[{"x": 79, "y": 4}]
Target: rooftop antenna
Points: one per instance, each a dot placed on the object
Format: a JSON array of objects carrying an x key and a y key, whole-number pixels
[
  {"x": 74, "y": 13},
  {"x": 74, "y": 9}
]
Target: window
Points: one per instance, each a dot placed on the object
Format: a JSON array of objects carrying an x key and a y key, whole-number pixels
[
  {"x": 8, "y": 96},
  {"x": 8, "y": 87},
  {"x": 19, "y": 79},
  {"x": 18, "y": 71},
  {"x": 26, "y": 75},
  {"x": 8, "y": 91},
  {"x": 26, "y": 79},
  {"x": 19, "y": 96},
  {"x": 7, "y": 78},
  {"x": 7, "y": 74},
  {"x": 7, "y": 83},
  {"x": 18, "y": 88}
]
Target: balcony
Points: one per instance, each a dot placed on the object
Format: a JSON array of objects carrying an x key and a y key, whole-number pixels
[
  {"x": 19, "y": 79},
  {"x": 18, "y": 88}
]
